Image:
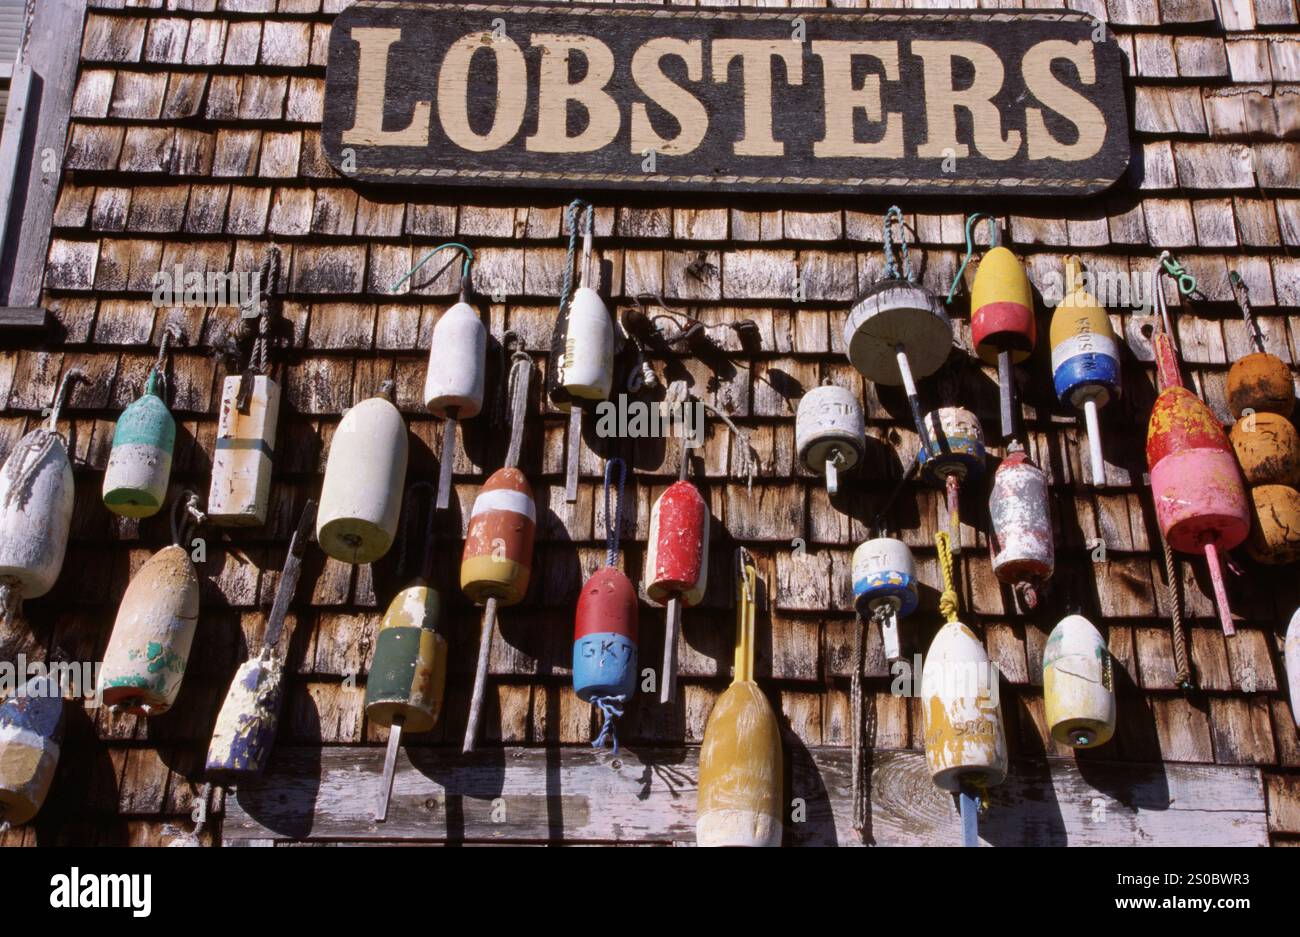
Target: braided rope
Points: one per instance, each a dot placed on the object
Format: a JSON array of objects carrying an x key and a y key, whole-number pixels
[
  {"x": 948, "y": 600},
  {"x": 614, "y": 522},
  {"x": 571, "y": 214},
  {"x": 1183, "y": 676},
  {"x": 892, "y": 269}
]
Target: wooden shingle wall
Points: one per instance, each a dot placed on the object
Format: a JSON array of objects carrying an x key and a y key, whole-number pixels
[{"x": 195, "y": 141}]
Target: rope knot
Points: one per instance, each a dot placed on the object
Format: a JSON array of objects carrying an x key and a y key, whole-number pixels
[{"x": 611, "y": 710}]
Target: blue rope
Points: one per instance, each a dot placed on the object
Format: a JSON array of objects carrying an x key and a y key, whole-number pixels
[
  {"x": 464, "y": 270},
  {"x": 970, "y": 245},
  {"x": 611, "y": 710},
  {"x": 571, "y": 213},
  {"x": 895, "y": 216},
  {"x": 614, "y": 523}
]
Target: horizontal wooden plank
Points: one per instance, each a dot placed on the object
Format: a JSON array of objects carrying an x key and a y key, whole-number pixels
[
  {"x": 23, "y": 317},
  {"x": 578, "y": 795}
]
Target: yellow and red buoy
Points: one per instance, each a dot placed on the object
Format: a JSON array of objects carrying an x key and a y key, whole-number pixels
[{"x": 1002, "y": 321}]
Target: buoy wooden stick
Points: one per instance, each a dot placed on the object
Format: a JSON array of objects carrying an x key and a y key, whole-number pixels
[
  {"x": 913, "y": 398},
  {"x": 574, "y": 454},
  {"x": 448, "y": 457},
  {"x": 497, "y": 560},
  {"x": 1093, "y": 423}
]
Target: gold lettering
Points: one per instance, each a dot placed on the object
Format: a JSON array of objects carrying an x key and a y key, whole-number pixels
[
  {"x": 453, "y": 92},
  {"x": 555, "y": 92},
  {"x": 1067, "y": 102},
  {"x": 684, "y": 106},
  {"x": 372, "y": 90},
  {"x": 942, "y": 101},
  {"x": 756, "y": 73},
  {"x": 842, "y": 99}
]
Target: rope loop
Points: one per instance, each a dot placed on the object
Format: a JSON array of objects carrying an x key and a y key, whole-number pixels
[
  {"x": 61, "y": 395},
  {"x": 464, "y": 250},
  {"x": 186, "y": 516},
  {"x": 571, "y": 215},
  {"x": 970, "y": 244},
  {"x": 614, "y": 521},
  {"x": 892, "y": 268},
  {"x": 948, "y": 598}
]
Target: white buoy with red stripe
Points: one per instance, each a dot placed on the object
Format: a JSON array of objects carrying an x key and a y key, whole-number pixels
[
  {"x": 497, "y": 560},
  {"x": 361, "y": 497},
  {"x": 677, "y": 562},
  {"x": 829, "y": 432},
  {"x": 36, "y": 498},
  {"x": 582, "y": 346},
  {"x": 1021, "y": 541}
]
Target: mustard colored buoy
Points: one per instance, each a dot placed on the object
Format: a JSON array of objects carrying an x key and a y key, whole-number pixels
[
  {"x": 1275, "y": 525},
  {"x": 361, "y": 498},
  {"x": 1085, "y": 359},
  {"x": 36, "y": 498},
  {"x": 140, "y": 460},
  {"x": 1260, "y": 382},
  {"x": 149, "y": 649},
  {"x": 1078, "y": 684},
  {"x": 741, "y": 792},
  {"x": 239, "y": 494},
  {"x": 1267, "y": 448},
  {"x": 31, "y": 735}
]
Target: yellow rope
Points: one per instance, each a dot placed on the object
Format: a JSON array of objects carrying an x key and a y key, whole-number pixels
[{"x": 948, "y": 599}]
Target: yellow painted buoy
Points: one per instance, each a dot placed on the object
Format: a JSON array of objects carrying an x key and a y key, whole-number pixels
[
  {"x": 1078, "y": 686},
  {"x": 741, "y": 783}
]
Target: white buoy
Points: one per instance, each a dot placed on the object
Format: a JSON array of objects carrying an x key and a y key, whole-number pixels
[
  {"x": 36, "y": 498},
  {"x": 361, "y": 498},
  {"x": 587, "y": 369},
  {"x": 965, "y": 744},
  {"x": 453, "y": 385},
  {"x": 240, "y": 492},
  {"x": 31, "y": 732},
  {"x": 885, "y": 583},
  {"x": 1078, "y": 687},
  {"x": 1292, "y": 655},
  {"x": 830, "y": 432}
]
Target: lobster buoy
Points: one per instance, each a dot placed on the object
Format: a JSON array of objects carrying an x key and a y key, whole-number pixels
[
  {"x": 240, "y": 491},
  {"x": 140, "y": 461},
  {"x": 1200, "y": 501},
  {"x": 31, "y": 733},
  {"x": 147, "y": 653},
  {"x": 741, "y": 779},
  {"x": 955, "y": 453},
  {"x": 1292, "y": 654},
  {"x": 586, "y": 368},
  {"x": 409, "y": 670},
  {"x": 1260, "y": 382},
  {"x": 1002, "y": 321},
  {"x": 605, "y": 641},
  {"x": 361, "y": 498},
  {"x": 1085, "y": 359},
  {"x": 965, "y": 744},
  {"x": 1275, "y": 525},
  {"x": 1078, "y": 685},
  {"x": 1267, "y": 448},
  {"x": 498, "y": 552},
  {"x": 829, "y": 432},
  {"x": 885, "y": 586},
  {"x": 453, "y": 385},
  {"x": 677, "y": 564},
  {"x": 1024, "y": 554}
]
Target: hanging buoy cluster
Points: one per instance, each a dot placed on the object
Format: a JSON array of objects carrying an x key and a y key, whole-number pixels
[{"x": 1261, "y": 396}]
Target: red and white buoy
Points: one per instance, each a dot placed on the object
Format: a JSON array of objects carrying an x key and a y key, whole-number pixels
[{"x": 1024, "y": 554}]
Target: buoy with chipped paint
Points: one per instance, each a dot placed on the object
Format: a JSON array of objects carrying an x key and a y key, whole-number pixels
[
  {"x": 36, "y": 500},
  {"x": 1021, "y": 541},
  {"x": 1200, "y": 500},
  {"x": 249, "y": 718},
  {"x": 1002, "y": 316},
  {"x": 31, "y": 735},
  {"x": 149, "y": 648},
  {"x": 955, "y": 453},
  {"x": 361, "y": 497},
  {"x": 582, "y": 344},
  {"x": 897, "y": 331},
  {"x": 1085, "y": 359},
  {"x": 1292, "y": 654},
  {"x": 498, "y": 555},
  {"x": 741, "y": 789},
  {"x": 677, "y": 562},
  {"x": 1267, "y": 448},
  {"x": 1275, "y": 525},
  {"x": 408, "y": 674},
  {"x": 1259, "y": 382},
  {"x": 605, "y": 625},
  {"x": 1078, "y": 684},
  {"x": 140, "y": 460},
  {"x": 885, "y": 587},
  {"x": 830, "y": 433}
]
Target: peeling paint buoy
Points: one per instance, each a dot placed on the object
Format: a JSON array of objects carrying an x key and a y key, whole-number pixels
[
  {"x": 964, "y": 737},
  {"x": 31, "y": 733},
  {"x": 955, "y": 453},
  {"x": 1078, "y": 685},
  {"x": 829, "y": 432},
  {"x": 885, "y": 585},
  {"x": 361, "y": 498},
  {"x": 1267, "y": 448},
  {"x": 140, "y": 461},
  {"x": 1274, "y": 525},
  {"x": 1024, "y": 555}
]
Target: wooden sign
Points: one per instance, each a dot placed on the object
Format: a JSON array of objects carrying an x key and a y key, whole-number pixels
[{"x": 580, "y": 96}]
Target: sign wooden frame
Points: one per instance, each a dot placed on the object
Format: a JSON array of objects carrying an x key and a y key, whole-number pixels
[{"x": 646, "y": 98}]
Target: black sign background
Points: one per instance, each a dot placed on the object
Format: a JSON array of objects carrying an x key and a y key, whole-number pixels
[{"x": 429, "y": 27}]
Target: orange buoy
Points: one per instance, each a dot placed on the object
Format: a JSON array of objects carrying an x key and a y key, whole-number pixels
[
  {"x": 1267, "y": 448},
  {"x": 1275, "y": 525},
  {"x": 1259, "y": 382}
]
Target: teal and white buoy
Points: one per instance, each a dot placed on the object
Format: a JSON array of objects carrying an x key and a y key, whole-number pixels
[{"x": 140, "y": 463}]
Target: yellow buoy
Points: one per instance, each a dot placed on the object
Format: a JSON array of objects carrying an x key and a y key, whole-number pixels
[{"x": 741, "y": 783}]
